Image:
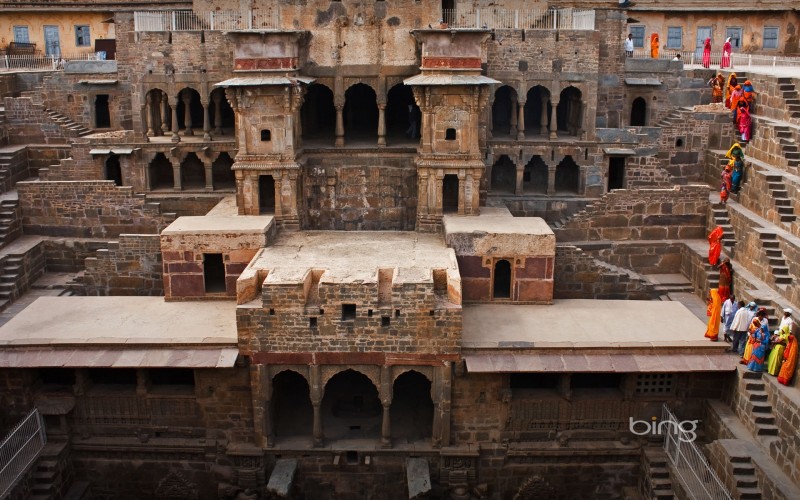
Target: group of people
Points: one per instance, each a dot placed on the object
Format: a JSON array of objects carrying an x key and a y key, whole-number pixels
[
  {"x": 732, "y": 174},
  {"x": 725, "y": 61},
  {"x": 739, "y": 98}
]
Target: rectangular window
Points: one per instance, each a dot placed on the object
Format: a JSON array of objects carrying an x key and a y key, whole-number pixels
[
  {"x": 674, "y": 37},
  {"x": 770, "y": 37},
  {"x": 82, "y": 38},
  {"x": 735, "y": 34},
  {"x": 21, "y": 34},
  {"x": 638, "y": 36}
]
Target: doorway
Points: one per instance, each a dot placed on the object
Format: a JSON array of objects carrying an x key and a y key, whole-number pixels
[{"x": 266, "y": 194}]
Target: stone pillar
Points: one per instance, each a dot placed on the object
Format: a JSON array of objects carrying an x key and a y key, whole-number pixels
[
  {"x": 217, "y": 98},
  {"x": 206, "y": 122},
  {"x": 187, "y": 113},
  {"x": 440, "y": 393},
  {"x": 521, "y": 120},
  {"x": 176, "y": 175},
  {"x": 386, "y": 402},
  {"x": 462, "y": 195},
  {"x": 262, "y": 405},
  {"x": 208, "y": 164},
  {"x": 381, "y": 125},
  {"x": 174, "y": 109},
  {"x": 513, "y": 129},
  {"x": 553, "y": 121},
  {"x": 339, "y": 126},
  {"x": 543, "y": 127},
  {"x": 551, "y": 179},
  {"x": 316, "y": 394},
  {"x": 520, "y": 176},
  {"x": 148, "y": 114},
  {"x": 141, "y": 382},
  {"x": 164, "y": 108}
]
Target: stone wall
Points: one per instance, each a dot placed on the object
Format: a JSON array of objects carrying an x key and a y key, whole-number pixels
[
  {"x": 22, "y": 265},
  {"x": 73, "y": 95},
  {"x": 641, "y": 257},
  {"x": 41, "y": 158},
  {"x": 770, "y": 101},
  {"x": 578, "y": 275},
  {"x": 15, "y": 168},
  {"x": 641, "y": 214},
  {"x": 89, "y": 209},
  {"x": 68, "y": 255},
  {"x": 28, "y": 123},
  {"x": 129, "y": 266}
]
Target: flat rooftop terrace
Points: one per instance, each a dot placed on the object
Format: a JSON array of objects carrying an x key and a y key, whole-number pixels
[{"x": 352, "y": 257}]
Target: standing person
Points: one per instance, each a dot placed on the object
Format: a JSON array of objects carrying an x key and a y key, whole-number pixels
[
  {"x": 729, "y": 309},
  {"x": 789, "y": 360},
  {"x": 726, "y": 279},
  {"x": 736, "y": 95},
  {"x": 716, "y": 83},
  {"x": 654, "y": 45},
  {"x": 411, "y": 131},
  {"x": 741, "y": 320},
  {"x": 714, "y": 248},
  {"x": 779, "y": 341},
  {"x": 729, "y": 88},
  {"x": 744, "y": 121},
  {"x": 736, "y": 154},
  {"x": 707, "y": 53},
  {"x": 727, "y": 185},
  {"x": 629, "y": 45},
  {"x": 759, "y": 340},
  {"x": 714, "y": 310},
  {"x": 749, "y": 94},
  {"x": 726, "y": 54}
]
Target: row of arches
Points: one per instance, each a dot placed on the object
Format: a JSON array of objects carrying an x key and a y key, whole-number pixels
[
  {"x": 190, "y": 173},
  {"x": 351, "y": 407},
  {"x": 536, "y": 176},
  {"x": 187, "y": 113},
  {"x": 536, "y": 116}
]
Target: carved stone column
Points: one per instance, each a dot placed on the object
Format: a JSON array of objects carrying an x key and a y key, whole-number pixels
[
  {"x": 176, "y": 175},
  {"x": 208, "y": 165},
  {"x": 316, "y": 394},
  {"x": 521, "y": 120},
  {"x": 551, "y": 179},
  {"x": 543, "y": 127},
  {"x": 164, "y": 113},
  {"x": 206, "y": 122},
  {"x": 174, "y": 109},
  {"x": 381, "y": 124},
  {"x": 520, "y": 176},
  {"x": 513, "y": 129},
  {"x": 217, "y": 98},
  {"x": 262, "y": 405},
  {"x": 553, "y": 121},
  {"x": 339, "y": 126},
  {"x": 148, "y": 114},
  {"x": 187, "y": 113},
  {"x": 386, "y": 402}
]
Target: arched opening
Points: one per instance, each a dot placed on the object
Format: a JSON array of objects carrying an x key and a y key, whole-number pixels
[
  {"x": 360, "y": 113},
  {"x": 159, "y": 112},
  {"x": 402, "y": 115},
  {"x": 639, "y": 112},
  {"x": 412, "y": 407},
  {"x": 501, "y": 282},
  {"x": 450, "y": 194},
  {"x": 534, "y": 178},
  {"x": 221, "y": 173},
  {"x": 193, "y": 172},
  {"x": 114, "y": 169},
  {"x": 266, "y": 194},
  {"x": 290, "y": 407},
  {"x": 504, "y": 175},
  {"x": 102, "y": 115},
  {"x": 160, "y": 173},
  {"x": 220, "y": 114},
  {"x": 538, "y": 110},
  {"x": 568, "y": 175},
  {"x": 351, "y": 408},
  {"x": 503, "y": 110},
  {"x": 318, "y": 115},
  {"x": 193, "y": 119},
  {"x": 569, "y": 112}
]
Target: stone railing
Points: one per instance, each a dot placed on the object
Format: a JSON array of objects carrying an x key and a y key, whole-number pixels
[
  {"x": 523, "y": 19},
  {"x": 223, "y": 20}
]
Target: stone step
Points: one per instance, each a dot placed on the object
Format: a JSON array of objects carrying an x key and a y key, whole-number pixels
[
  {"x": 774, "y": 252},
  {"x": 744, "y": 469},
  {"x": 746, "y": 482},
  {"x": 783, "y": 280},
  {"x": 781, "y": 270},
  {"x": 766, "y": 235},
  {"x": 788, "y": 217},
  {"x": 754, "y": 385},
  {"x": 770, "y": 244},
  {"x": 761, "y": 407},
  {"x": 767, "y": 430},
  {"x": 782, "y": 201},
  {"x": 749, "y": 494}
]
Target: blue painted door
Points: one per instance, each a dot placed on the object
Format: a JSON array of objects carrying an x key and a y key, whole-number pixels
[
  {"x": 52, "y": 44},
  {"x": 21, "y": 34},
  {"x": 703, "y": 32}
]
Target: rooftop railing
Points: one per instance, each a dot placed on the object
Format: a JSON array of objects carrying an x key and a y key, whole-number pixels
[
  {"x": 188, "y": 20},
  {"x": 527, "y": 19}
]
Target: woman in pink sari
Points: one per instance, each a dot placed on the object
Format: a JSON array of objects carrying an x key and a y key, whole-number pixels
[
  {"x": 707, "y": 53},
  {"x": 726, "y": 54}
]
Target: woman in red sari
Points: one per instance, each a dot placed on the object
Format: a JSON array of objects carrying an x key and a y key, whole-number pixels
[
  {"x": 726, "y": 54},
  {"x": 744, "y": 121},
  {"x": 715, "y": 248},
  {"x": 789, "y": 360},
  {"x": 727, "y": 184},
  {"x": 725, "y": 279},
  {"x": 707, "y": 53}
]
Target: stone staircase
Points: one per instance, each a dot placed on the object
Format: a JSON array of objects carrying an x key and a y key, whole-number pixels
[
  {"x": 760, "y": 408},
  {"x": 10, "y": 271},
  {"x": 780, "y": 198},
  {"x": 744, "y": 474},
  {"x": 775, "y": 258},
  {"x": 788, "y": 145},
  {"x": 10, "y": 221},
  {"x": 73, "y": 128},
  {"x": 790, "y": 97},
  {"x": 656, "y": 482},
  {"x": 673, "y": 118},
  {"x": 721, "y": 218}
]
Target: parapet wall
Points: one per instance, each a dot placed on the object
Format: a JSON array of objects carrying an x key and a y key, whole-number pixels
[{"x": 129, "y": 266}]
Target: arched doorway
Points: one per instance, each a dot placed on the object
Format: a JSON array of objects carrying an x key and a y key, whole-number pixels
[
  {"x": 351, "y": 407},
  {"x": 412, "y": 407},
  {"x": 639, "y": 112},
  {"x": 360, "y": 113},
  {"x": 568, "y": 176},
  {"x": 537, "y": 111},
  {"x": 266, "y": 194},
  {"x": 193, "y": 172},
  {"x": 504, "y": 175},
  {"x": 193, "y": 119},
  {"x": 220, "y": 114},
  {"x": 569, "y": 112},
  {"x": 221, "y": 173},
  {"x": 450, "y": 194},
  {"x": 318, "y": 115},
  {"x": 113, "y": 169},
  {"x": 534, "y": 178},
  {"x": 158, "y": 114},
  {"x": 503, "y": 110},
  {"x": 402, "y": 122},
  {"x": 290, "y": 407},
  {"x": 501, "y": 280},
  {"x": 160, "y": 173}
]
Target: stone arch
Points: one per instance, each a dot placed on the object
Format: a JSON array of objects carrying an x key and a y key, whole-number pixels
[
  {"x": 504, "y": 175},
  {"x": 220, "y": 113},
  {"x": 569, "y": 111},
  {"x": 568, "y": 176},
  {"x": 351, "y": 406},
  {"x": 113, "y": 169},
  {"x": 639, "y": 112},
  {"x": 193, "y": 172},
  {"x": 400, "y": 120},
  {"x": 535, "y": 176},
  {"x": 371, "y": 372},
  {"x": 160, "y": 172},
  {"x": 412, "y": 406},
  {"x": 157, "y": 113},
  {"x": 360, "y": 112},
  {"x": 190, "y": 118},
  {"x": 450, "y": 193},
  {"x": 538, "y": 110},
  {"x": 221, "y": 173},
  {"x": 502, "y": 279},
  {"x": 290, "y": 404},
  {"x": 504, "y": 107},
  {"x": 426, "y": 371},
  {"x": 318, "y": 114}
]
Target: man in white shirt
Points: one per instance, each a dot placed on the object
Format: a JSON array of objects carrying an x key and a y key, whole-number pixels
[
  {"x": 629, "y": 45},
  {"x": 740, "y": 324},
  {"x": 729, "y": 308}
]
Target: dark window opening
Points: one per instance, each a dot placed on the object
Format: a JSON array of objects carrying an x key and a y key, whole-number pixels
[
  {"x": 538, "y": 111},
  {"x": 569, "y": 112},
  {"x": 386, "y": 321},
  {"x": 112, "y": 376},
  {"x": 272, "y": 312},
  {"x": 160, "y": 173},
  {"x": 192, "y": 120},
  {"x": 568, "y": 175},
  {"x": 450, "y": 193},
  {"x": 318, "y": 114},
  {"x": 502, "y": 280},
  {"x": 114, "y": 170},
  {"x": 450, "y": 134},
  {"x": 57, "y": 378},
  {"x": 639, "y": 112},
  {"x": 348, "y": 312},
  {"x": 595, "y": 380},
  {"x": 534, "y": 179},
  {"x": 266, "y": 135},
  {"x": 291, "y": 405},
  {"x": 193, "y": 172},
  {"x": 397, "y": 313},
  {"x": 351, "y": 407},
  {"x": 679, "y": 142},
  {"x": 221, "y": 174},
  {"x": 360, "y": 112},
  {"x": 351, "y": 457},
  {"x": 220, "y": 113},
  {"x": 213, "y": 272},
  {"x": 534, "y": 380},
  {"x": 412, "y": 407},
  {"x": 504, "y": 111},
  {"x": 504, "y": 175},
  {"x": 102, "y": 115},
  {"x": 616, "y": 173},
  {"x": 402, "y": 114},
  {"x": 171, "y": 376},
  {"x": 312, "y": 322},
  {"x": 266, "y": 194}
]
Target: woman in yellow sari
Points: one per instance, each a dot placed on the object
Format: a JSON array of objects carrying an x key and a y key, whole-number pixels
[
  {"x": 778, "y": 347},
  {"x": 729, "y": 86},
  {"x": 654, "y": 45},
  {"x": 714, "y": 310}
]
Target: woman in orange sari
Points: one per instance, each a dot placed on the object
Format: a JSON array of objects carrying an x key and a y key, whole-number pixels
[
  {"x": 714, "y": 310},
  {"x": 729, "y": 87},
  {"x": 654, "y": 45},
  {"x": 789, "y": 361}
]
